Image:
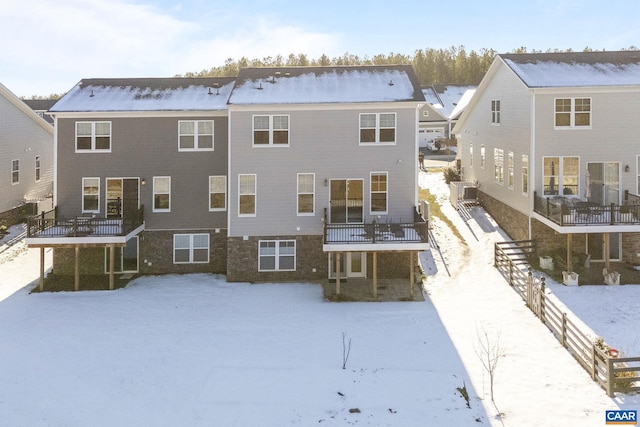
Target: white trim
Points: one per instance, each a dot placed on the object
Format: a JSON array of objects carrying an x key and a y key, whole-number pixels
[
  {"x": 224, "y": 177},
  {"x": 93, "y": 136},
  {"x": 277, "y": 255},
  {"x": 572, "y": 113},
  {"x": 386, "y": 192},
  {"x": 271, "y": 129},
  {"x": 196, "y": 136},
  {"x": 191, "y": 248},
  {"x": 313, "y": 194},
  {"x": 97, "y": 195},
  {"x": 255, "y": 195},
  {"x": 15, "y": 171},
  {"x": 153, "y": 200},
  {"x": 378, "y": 128}
]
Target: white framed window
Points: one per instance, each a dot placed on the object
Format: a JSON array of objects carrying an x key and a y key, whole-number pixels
[
  {"x": 379, "y": 193},
  {"x": 377, "y": 128},
  {"x": 483, "y": 156},
  {"x": 93, "y": 136},
  {"x": 37, "y": 168},
  {"x": 271, "y": 130},
  {"x": 161, "y": 194},
  {"x": 498, "y": 165},
  {"x": 525, "y": 174},
  {"x": 471, "y": 154},
  {"x": 195, "y": 135},
  {"x": 191, "y": 248},
  {"x": 510, "y": 170},
  {"x": 15, "y": 172},
  {"x": 277, "y": 255},
  {"x": 306, "y": 194},
  {"x": 495, "y": 112},
  {"x": 90, "y": 195},
  {"x": 247, "y": 195},
  {"x": 572, "y": 113},
  {"x": 561, "y": 175},
  {"x": 217, "y": 193}
]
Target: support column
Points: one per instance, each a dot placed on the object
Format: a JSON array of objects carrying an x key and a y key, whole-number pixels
[
  {"x": 607, "y": 248},
  {"x": 41, "y": 270},
  {"x": 337, "y": 255},
  {"x": 76, "y": 282},
  {"x": 112, "y": 258},
  {"x": 411, "y": 278},
  {"x": 569, "y": 252},
  {"x": 375, "y": 274}
]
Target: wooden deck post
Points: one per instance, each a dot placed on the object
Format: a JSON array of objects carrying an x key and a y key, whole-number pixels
[
  {"x": 111, "y": 265},
  {"x": 41, "y": 287},
  {"x": 337, "y": 255},
  {"x": 569, "y": 252},
  {"x": 411, "y": 278},
  {"x": 76, "y": 282},
  {"x": 607, "y": 244},
  {"x": 375, "y": 274}
]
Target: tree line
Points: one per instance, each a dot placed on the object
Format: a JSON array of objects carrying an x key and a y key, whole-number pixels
[{"x": 454, "y": 65}]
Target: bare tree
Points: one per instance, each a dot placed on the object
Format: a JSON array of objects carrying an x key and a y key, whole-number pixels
[
  {"x": 346, "y": 350},
  {"x": 489, "y": 350}
]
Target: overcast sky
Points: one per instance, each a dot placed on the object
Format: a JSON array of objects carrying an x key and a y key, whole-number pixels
[{"x": 47, "y": 46}]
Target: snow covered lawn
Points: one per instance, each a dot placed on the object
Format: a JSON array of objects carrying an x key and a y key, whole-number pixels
[{"x": 194, "y": 350}]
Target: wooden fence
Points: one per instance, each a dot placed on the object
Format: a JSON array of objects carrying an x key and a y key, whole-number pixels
[{"x": 613, "y": 373}]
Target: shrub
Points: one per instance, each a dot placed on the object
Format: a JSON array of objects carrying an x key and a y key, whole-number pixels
[{"x": 451, "y": 174}]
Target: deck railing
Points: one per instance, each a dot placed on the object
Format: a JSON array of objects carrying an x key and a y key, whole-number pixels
[
  {"x": 378, "y": 232},
  {"x": 48, "y": 224},
  {"x": 573, "y": 211}
]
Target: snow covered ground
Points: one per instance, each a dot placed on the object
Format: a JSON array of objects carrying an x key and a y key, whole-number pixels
[{"x": 194, "y": 350}]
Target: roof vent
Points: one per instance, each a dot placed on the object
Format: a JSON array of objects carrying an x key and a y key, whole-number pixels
[
  {"x": 92, "y": 95},
  {"x": 390, "y": 82},
  {"x": 259, "y": 86}
]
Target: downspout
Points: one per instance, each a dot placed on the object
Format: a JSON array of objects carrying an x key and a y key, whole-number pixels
[
  {"x": 532, "y": 161},
  {"x": 55, "y": 161}
]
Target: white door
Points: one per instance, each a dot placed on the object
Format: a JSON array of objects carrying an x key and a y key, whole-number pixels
[{"x": 353, "y": 263}]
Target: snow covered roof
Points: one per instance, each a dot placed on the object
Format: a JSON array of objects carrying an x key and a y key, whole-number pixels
[
  {"x": 432, "y": 97},
  {"x": 576, "y": 69},
  {"x": 462, "y": 103},
  {"x": 313, "y": 85},
  {"x": 450, "y": 96},
  {"x": 147, "y": 94}
]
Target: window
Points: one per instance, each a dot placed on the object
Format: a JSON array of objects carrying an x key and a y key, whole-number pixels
[
  {"x": 195, "y": 135},
  {"x": 378, "y": 128},
  {"x": 161, "y": 193},
  {"x": 91, "y": 195},
  {"x": 271, "y": 130},
  {"x": 190, "y": 248},
  {"x": 498, "y": 163},
  {"x": 378, "y": 192},
  {"x": 495, "y": 112},
  {"x": 306, "y": 193},
  {"x": 525, "y": 174},
  {"x": 93, "y": 136},
  {"x": 471, "y": 154},
  {"x": 482, "y": 156},
  {"x": 277, "y": 255},
  {"x": 572, "y": 112},
  {"x": 510, "y": 170},
  {"x": 15, "y": 171},
  {"x": 561, "y": 175},
  {"x": 37, "y": 168},
  {"x": 217, "y": 193},
  {"x": 246, "y": 195}
]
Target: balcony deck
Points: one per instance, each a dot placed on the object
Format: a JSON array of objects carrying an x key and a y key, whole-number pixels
[
  {"x": 373, "y": 236},
  {"x": 47, "y": 228},
  {"x": 571, "y": 211}
]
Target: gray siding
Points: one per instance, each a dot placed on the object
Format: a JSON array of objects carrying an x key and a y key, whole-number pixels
[
  {"x": 22, "y": 139},
  {"x": 143, "y": 148},
  {"x": 324, "y": 142}
]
